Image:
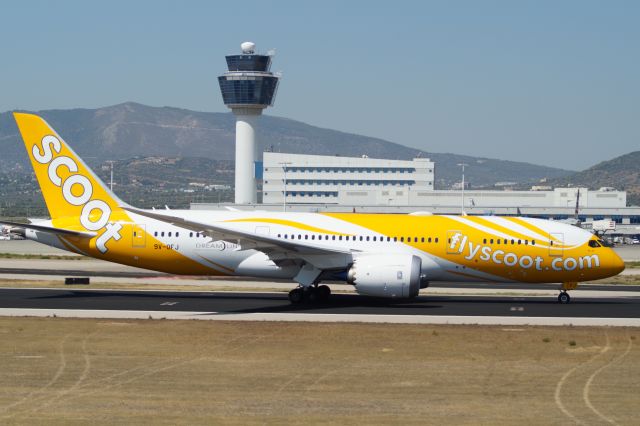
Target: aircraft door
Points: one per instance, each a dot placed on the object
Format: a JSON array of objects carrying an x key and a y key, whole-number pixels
[
  {"x": 138, "y": 235},
  {"x": 556, "y": 244},
  {"x": 262, "y": 230}
]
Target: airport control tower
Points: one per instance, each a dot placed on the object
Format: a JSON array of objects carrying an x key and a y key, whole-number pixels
[{"x": 247, "y": 88}]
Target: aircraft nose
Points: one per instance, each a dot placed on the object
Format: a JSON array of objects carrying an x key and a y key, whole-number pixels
[{"x": 617, "y": 264}]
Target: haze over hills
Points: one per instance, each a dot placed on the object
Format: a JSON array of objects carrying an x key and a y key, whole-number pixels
[
  {"x": 622, "y": 173},
  {"x": 134, "y": 130}
]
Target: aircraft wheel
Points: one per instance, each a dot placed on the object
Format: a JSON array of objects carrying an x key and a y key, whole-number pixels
[
  {"x": 311, "y": 294},
  {"x": 323, "y": 292},
  {"x": 296, "y": 295},
  {"x": 564, "y": 298}
]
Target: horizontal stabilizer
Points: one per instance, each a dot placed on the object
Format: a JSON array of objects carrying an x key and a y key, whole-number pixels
[{"x": 50, "y": 229}]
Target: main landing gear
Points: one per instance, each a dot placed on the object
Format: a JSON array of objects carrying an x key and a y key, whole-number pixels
[{"x": 311, "y": 294}]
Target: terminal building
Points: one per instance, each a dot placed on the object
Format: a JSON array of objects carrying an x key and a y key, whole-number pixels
[
  {"x": 344, "y": 180},
  {"x": 355, "y": 181}
]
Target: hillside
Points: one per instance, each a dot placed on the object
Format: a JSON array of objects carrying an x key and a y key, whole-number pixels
[
  {"x": 132, "y": 130},
  {"x": 622, "y": 173}
]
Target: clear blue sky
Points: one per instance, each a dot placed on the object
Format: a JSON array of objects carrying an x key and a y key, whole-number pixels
[{"x": 550, "y": 82}]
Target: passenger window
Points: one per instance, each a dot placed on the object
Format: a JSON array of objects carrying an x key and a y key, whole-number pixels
[
  {"x": 533, "y": 242},
  {"x": 169, "y": 233},
  {"x": 422, "y": 240},
  {"x": 491, "y": 241},
  {"x": 436, "y": 239},
  {"x": 429, "y": 239},
  {"x": 162, "y": 234},
  {"x": 155, "y": 234},
  {"x": 513, "y": 242},
  {"x": 484, "y": 241},
  {"x": 402, "y": 239},
  {"x": 190, "y": 234},
  {"x": 177, "y": 234}
]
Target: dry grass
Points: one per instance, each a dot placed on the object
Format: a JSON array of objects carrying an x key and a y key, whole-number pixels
[
  {"x": 42, "y": 256},
  {"x": 619, "y": 280},
  {"x": 68, "y": 371}
]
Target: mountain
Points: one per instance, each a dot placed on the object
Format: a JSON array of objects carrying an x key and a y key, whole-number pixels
[
  {"x": 133, "y": 130},
  {"x": 622, "y": 173}
]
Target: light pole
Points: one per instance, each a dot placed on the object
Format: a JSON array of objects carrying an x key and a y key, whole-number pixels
[
  {"x": 284, "y": 165},
  {"x": 111, "y": 180},
  {"x": 463, "y": 165}
]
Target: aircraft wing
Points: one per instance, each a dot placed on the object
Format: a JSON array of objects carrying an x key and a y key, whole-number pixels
[
  {"x": 247, "y": 240},
  {"x": 50, "y": 229}
]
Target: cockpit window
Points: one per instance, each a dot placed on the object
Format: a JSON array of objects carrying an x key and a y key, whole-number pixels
[
  {"x": 605, "y": 243},
  {"x": 594, "y": 243}
]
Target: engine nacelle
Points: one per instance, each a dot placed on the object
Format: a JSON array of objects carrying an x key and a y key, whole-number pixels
[{"x": 395, "y": 275}]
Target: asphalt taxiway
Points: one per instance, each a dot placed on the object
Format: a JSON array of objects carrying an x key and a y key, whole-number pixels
[{"x": 341, "y": 307}]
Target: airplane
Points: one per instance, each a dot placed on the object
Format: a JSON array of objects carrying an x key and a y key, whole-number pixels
[{"x": 381, "y": 255}]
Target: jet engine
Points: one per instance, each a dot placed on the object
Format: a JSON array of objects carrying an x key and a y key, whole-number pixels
[{"x": 394, "y": 275}]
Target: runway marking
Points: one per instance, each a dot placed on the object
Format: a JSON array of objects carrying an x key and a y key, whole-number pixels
[
  {"x": 587, "y": 386},
  {"x": 169, "y": 303},
  {"x": 517, "y": 308},
  {"x": 51, "y": 382}
]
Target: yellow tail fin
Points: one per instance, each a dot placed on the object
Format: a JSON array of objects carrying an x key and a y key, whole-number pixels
[{"x": 75, "y": 196}]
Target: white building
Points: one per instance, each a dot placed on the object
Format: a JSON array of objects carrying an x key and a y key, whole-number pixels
[
  {"x": 349, "y": 181},
  {"x": 558, "y": 197},
  {"x": 344, "y": 180}
]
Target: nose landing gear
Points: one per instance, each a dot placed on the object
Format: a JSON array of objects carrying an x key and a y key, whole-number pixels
[{"x": 564, "y": 297}]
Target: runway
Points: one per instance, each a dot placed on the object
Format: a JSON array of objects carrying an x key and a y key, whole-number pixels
[
  {"x": 460, "y": 303},
  {"x": 341, "y": 307}
]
